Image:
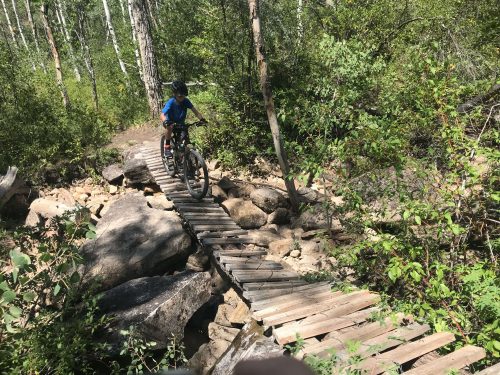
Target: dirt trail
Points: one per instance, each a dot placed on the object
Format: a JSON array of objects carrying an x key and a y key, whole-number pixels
[{"x": 145, "y": 133}]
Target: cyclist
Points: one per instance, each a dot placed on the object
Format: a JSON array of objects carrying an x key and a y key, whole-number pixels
[{"x": 175, "y": 111}]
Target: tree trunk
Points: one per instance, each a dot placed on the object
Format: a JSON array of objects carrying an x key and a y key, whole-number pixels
[
  {"x": 113, "y": 37},
  {"x": 122, "y": 8},
  {"x": 300, "y": 26},
  {"x": 14, "y": 9},
  {"x": 33, "y": 31},
  {"x": 151, "y": 75},
  {"x": 87, "y": 56},
  {"x": 9, "y": 24},
  {"x": 68, "y": 40},
  {"x": 269, "y": 104},
  {"x": 134, "y": 39},
  {"x": 55, "y": 55}
]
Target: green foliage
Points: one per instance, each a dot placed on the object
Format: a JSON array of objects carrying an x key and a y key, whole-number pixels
[{"x": 140, "y": 358}]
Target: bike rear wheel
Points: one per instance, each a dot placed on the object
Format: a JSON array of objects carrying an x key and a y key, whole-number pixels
[
  {"x": 168, "y": 163},
  {"x": 195, "y": 174}
]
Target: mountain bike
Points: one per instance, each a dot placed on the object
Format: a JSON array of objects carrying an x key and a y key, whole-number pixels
[{"x": 186, "y": 161}]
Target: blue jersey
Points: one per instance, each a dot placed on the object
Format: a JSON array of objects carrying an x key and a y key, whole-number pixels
[{"x": 176, "y": 112}]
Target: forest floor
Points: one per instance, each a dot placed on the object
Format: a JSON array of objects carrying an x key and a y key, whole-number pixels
[{"x": 147, "y": 132}]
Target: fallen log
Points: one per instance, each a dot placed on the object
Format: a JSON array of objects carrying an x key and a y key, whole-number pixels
[{"x": 9, "y": 185}]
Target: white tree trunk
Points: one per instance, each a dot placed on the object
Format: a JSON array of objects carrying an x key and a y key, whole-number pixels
[
  {"x": 12, "y": 34},
  {"x": 151, "y": 75},
  {"x": 62, "y": 20},
  {"x": 19, "y": 25},
  {"x": 113, "y": 37},
  {"x": 33, "y": 31},
  {"x": 123, "y": 12},
  {"x": 55, "y": 55},
  {"x": 269, "y": 104},
  {"x": 134, "y": 39},
  {"x": 87, "y": 56},
  {"x": 300, "y": 26}
]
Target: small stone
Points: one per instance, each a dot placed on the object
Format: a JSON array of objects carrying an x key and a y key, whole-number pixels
[
  {"x": 83, "y": 197},
  {"x": 112, "y": 189},
  {"x": 295, "y": 253}
]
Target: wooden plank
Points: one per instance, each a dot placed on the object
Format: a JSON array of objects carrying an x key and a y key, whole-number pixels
[
  {"x": 341, "y": 308},
  {"x": 453, "y": 361},
  {"x": 268, "y": 298},
  {"x": 204, "y": 227},
  {"x": 306, "y": 299},
  {"x": 231, "y": 259},
  {"x": 239, "y": 253},
  {"x": 226, "y": 233},
  {"x": 360, "y": 333},
  {"x": 405, "y": 353},
  {"x": 206, "y": 214},
  {"x": 221, "y": 220},
  {"x": 253, "y": 266},
  {"x": 493, "y": 370},
  {"x": 198, "y": 209},
  {"x": 245, "y": 276},
  {"x": 390, "y": 339},
  {"x": 285, "y": 335},
  {"x": 251, "y": 287},
  {"x": 187, "y": 206},
  {"x": 223, "y": 241}
]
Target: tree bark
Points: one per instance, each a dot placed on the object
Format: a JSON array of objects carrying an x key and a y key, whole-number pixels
[
  {"x": 151, "y": 76},
  {"x": 35, "y": 36},
  {"x": 300, "y": 26},
  {"x": 134, "y": 39},
  {"x": 55, "y": 55},
  {"x": 113, "y": 37},
  {"x": 9, "y": 24},
  {"x": 269, "y": 104},
  {"x": 68, "y": 40},
  {"x": 87, "y": 56}
]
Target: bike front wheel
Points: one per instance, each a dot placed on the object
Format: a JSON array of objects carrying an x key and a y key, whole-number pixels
[{"x": 195, "y": 174}]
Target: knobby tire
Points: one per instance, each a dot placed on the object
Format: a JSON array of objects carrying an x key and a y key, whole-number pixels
[{"x": 193, "y": 163}]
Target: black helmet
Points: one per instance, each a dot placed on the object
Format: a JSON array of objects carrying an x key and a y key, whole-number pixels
[{"x": 179, "y": 87}]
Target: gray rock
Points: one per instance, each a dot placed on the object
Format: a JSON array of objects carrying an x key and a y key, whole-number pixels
[
  {"x": 280, "y": 216},
  {"x": 263, "y": 237},
  {"x": 135, "y": 168},
  {"x": 134, "y": 240},
  {"x": 158, "y": 307},
  {"x": 308, "y": 195},
  {"x": 250, "y": 343},
  {"x": 218, "y": 193},
  {"x": 206, "y": 356},
  {"x": 267, "y": 199},
  {"x": 226, "y": 184},
  {"x": 245, "y": 213},
  {"x": 42, "y": 209},
  {"x": 315, "y": 217},
  {"x": 160, "y": 202},
  {"x": 113, "y": 173}
]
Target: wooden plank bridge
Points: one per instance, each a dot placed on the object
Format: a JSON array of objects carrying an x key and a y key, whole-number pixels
[{"x": 326, "y": 321}]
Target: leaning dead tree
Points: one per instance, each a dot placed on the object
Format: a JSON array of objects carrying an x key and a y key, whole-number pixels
[
  {"x": 8, "y": 185},
  {"x": 269, "y": 103}
]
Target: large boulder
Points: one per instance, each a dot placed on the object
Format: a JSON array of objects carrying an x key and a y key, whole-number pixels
[
  {"x": 245, "y": 213},
  {"x": 316, "y": 217},
  {"x": 113, "y": 173},
  {"x": 250, "y": 343},
  {"x": 158, "y": 307},
  {"x": 135, "y": 168},
  {"x": 280, "y": 216},
  {"x": 43, "y": 209},
  {"x": 134, "y": 240},
  {"x": 267, "y": 199}
]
